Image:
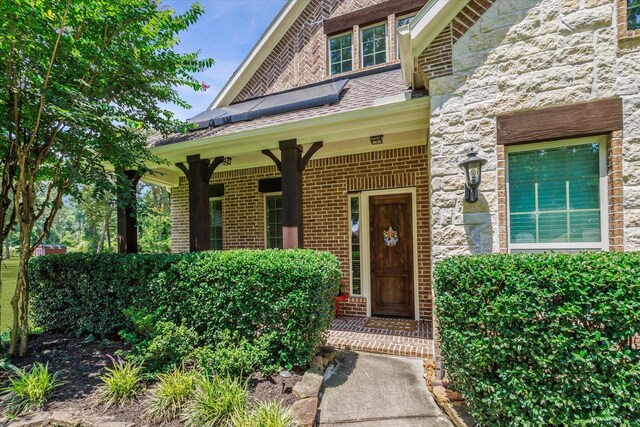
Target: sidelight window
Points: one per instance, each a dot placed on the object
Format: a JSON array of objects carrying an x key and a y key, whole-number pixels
[
  {"x": 274, "y": 220},
  {"x": 355, "y": 249}
]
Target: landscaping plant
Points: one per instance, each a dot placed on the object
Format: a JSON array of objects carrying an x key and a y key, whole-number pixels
[
  {"x": 256, "y": 308},
  {"x": 216, "y": 400},
  {"x": 169, "y": 396},
  {"x": 272, "y": 414},
  {"x": 543, "y": 339},
  {"x": 68, "y": 109},
  {"x": 161, "y": 345},
  {"x": 28, "y": 389},
  {"x": 230, "y": 357},
  {"x": 121, "y": 383}
]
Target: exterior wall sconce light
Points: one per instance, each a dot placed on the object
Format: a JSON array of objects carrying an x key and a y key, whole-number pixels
[
  {"x": 376, "y": 139},
  {"x": 472, "y": 167},
  {"x": 226, "y": 161}
]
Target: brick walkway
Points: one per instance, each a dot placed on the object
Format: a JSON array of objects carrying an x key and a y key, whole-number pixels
[{"x": 350, "y": 333}]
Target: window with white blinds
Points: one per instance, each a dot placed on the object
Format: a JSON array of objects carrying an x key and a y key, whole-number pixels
[
  {"x": 274, "y": 220},
  {"x": 557, "y": 195},
  {"x": 215, "y": 231}
]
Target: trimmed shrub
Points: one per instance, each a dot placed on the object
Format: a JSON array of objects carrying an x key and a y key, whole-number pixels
[
  {"x": 284, "y": 299},
  {"x": 161, "y": 346},
  {"x": 543, "y": 339}
]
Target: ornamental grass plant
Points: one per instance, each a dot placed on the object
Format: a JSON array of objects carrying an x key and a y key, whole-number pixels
[
  {"x": 28, "y": 389},
  {"x": 216, "y": 400},
  {"x": 120, "y": 384},
  {"x": 169, "y": 397}
]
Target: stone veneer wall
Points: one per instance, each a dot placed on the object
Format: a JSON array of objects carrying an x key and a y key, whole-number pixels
[
  {"x": 327, "y": 184},
  {"x": 525, "y": 54}
]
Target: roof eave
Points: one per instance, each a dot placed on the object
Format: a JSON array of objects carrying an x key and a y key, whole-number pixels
[
  {"x": 269, "y": 39},
  {"x": 424, "y": 28}
]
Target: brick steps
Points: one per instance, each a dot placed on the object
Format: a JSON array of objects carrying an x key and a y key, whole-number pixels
[{"x": 351, "y": 334}]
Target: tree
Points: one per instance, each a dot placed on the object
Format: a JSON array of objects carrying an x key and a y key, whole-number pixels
[
  {"x": 81, "y": 87},
  {"x": 154, "y": 224}
]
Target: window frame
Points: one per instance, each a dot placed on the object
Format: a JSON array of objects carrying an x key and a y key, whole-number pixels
[
  {"x": 627, "y": 17},
  {"x": 398, "y": 19},
  {"x": 335, "y": 36},
  {"x": 349, "y": 199},
  {"x": 623, "y": 28},
  {"x": 266, "y": 222},
  {"x": 603, "y": 245},
  {"x": 386, "y": 44},
  {"x": 221, "y": 199}
]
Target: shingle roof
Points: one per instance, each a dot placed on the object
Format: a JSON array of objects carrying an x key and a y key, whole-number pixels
[{"x": 359, "y": 93}]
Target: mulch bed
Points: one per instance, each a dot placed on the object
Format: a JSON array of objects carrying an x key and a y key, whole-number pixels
[{"x": 80, "y": 363}]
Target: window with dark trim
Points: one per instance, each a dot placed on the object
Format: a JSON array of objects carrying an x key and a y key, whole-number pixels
[
  {"x": 215, "y": 214},
  {"x": 340, "y": 54},
  {"x": 273, "y": 218},
  {"x": 633, "y": 15}
]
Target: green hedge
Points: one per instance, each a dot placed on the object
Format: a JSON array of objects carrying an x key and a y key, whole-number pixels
[
  {"x": 543, "y": 339},
  {"x": 284, "y": 298}
]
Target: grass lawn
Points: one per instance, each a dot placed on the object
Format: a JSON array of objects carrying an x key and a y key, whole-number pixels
[{"x": 9, "y": 272}]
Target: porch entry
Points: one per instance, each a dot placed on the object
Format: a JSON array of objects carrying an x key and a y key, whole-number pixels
[
  {"x": 384, "y": 251},
  {"x": 391, "y": 254}
]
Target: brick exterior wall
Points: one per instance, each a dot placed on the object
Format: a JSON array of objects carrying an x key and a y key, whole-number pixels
[
  {"x": 300, "y": 58},
  {"x": 436, "y": 60},
  {"x": 327, "y": 184}
]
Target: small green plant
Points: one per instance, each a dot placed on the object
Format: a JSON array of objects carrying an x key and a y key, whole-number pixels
[
  {"x": 234, "y": 357},
  {"x": 216, "y": 400},
  {"x": 173, "y": 391},
  {"x": 158, "y": 345},
  {"x": 28, "y": 389},
  {"x": 120, "y": 384},
  {"x": 265, "y": 415}
]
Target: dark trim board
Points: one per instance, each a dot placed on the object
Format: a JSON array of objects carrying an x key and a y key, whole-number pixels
[
  {"x": 567, "y": 121},
  {"x": 216, "y": 190},
  {"x": 270, "y": 185},
  {"x": 371, "y": 14}
]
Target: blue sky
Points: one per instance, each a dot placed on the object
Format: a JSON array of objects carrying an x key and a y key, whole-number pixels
[{"x": 226, "y": 32}]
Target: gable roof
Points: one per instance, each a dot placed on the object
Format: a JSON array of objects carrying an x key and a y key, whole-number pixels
[
  {"x": 414, "y": 38},
  {"x": 269, "y": 39}
]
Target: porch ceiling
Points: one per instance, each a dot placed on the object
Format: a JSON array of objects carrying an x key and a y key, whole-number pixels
[{"x": 402, "y": 122}]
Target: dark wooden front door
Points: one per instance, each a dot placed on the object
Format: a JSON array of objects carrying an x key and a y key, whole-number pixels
[{"x": 391, "y": 260}]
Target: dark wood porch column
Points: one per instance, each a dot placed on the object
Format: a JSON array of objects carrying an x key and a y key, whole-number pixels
[
  {"x": 198, "y": 174},
  {"x": 127, "y": 215},
  {"x": 292, "y": 164}
]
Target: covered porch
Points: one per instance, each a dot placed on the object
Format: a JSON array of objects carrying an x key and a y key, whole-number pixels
[{"x": 334, "y": 177}]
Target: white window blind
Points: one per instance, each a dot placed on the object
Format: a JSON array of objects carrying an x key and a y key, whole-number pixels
[{"x": 555, "y": 196}]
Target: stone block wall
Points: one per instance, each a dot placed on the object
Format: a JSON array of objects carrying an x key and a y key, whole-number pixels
[
  {"x": 523, "y": 54},
  {"x": 327, "y": 184}
]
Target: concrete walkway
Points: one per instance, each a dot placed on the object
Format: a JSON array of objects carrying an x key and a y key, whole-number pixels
[{"x": 363, "y": 389}]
